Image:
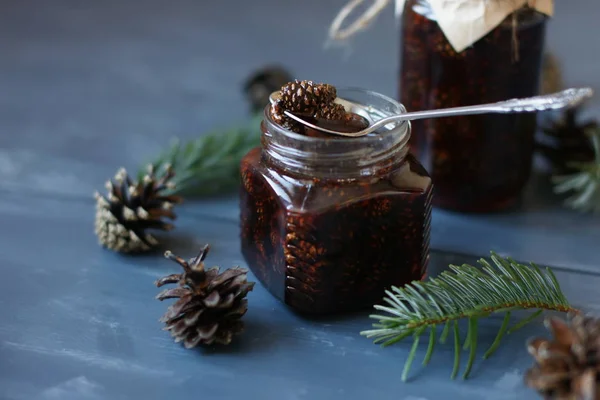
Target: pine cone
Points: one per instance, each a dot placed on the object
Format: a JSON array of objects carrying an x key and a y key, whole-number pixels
[
  {"x": 567, "y": 367},
  {"x": 210, "y": 304},
  {"x": 280, "y": 118},
  {"x": 567, "y": 141},
  {"x": 307, "y": 97},
  {"x": 131, "y": 208},
  {"x": 261, "y": 83},
  {"x": 332, "y": 111}
]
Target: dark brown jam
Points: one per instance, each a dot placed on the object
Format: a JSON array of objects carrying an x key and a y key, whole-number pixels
[
  {"x": 326, "y": 240},
  {"x": 479, "y": 163},
  {"x": 352, "y": 123}
]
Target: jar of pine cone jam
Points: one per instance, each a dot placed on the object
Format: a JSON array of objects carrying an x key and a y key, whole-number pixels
[
  {"x": 327, "y": 222},
  {"x": 479, "y": 163}
]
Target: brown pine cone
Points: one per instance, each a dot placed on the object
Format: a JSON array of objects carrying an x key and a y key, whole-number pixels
[
  {"x": 210, "y": 304},
  {"x": 332, "y": 111},
  {"x": 568, "y": 366},
  {"x": 281, "y": 119},
  {"x": 131, "y": 208},
  {"x": 306, "y": 97}
]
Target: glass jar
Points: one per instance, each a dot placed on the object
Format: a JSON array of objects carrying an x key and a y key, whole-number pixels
[
  {"x": 478, "y": 163},
  {"x": 328, "y": 223}
]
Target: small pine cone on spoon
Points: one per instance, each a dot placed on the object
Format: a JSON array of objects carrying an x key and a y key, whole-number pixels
[{"x": 307, "y": 98}]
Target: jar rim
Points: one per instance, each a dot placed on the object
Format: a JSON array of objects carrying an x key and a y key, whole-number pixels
[
  {"x": 339, "y": 156},
  {"x": 399, "y": 108}
]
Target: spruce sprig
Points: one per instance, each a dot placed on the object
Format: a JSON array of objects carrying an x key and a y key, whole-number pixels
[
  {"x": 583, "y": 185},
  {"x": 465, "y": 292},
  {"x": 209, "y": 164}
]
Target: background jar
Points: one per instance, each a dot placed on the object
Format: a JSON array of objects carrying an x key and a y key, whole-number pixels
[
  {"x": 478, "y": 163},
  {"x": 327, "y": 224}
]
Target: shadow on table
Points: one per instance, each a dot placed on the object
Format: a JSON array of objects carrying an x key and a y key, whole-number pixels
[{"x": 256, "y": 338}]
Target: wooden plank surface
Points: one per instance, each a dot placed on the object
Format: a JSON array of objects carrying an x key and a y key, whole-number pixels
[
  {"x": 87, "y": 87},
  {"x": 86, "y": 317}
]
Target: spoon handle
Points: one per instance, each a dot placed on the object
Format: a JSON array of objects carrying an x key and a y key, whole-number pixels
[
  {"x": 553, "y": 101},
  {"x": 565, "y": 98}
]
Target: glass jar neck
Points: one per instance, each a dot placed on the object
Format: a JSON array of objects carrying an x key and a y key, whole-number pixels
[
  {"x": 524, "y": 15},
  {"x": 338, "y": 157}
]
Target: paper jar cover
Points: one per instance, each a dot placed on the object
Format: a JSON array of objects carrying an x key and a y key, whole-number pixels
[{"x": 466, "y": 21}]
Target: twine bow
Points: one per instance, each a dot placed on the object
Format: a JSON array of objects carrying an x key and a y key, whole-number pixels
[{"x": 361, "y": 23}]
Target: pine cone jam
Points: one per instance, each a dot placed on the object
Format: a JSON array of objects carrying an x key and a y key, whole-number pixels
[
  {"x": 329, "y": 223},
  {"x": 479, "y": 163}
]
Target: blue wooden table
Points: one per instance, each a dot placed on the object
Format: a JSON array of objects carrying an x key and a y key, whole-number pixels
[{"x": 87, "y": 87}]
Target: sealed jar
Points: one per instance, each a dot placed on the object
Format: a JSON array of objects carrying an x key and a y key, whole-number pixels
[
  {"x": 328, "y": 223},
  {"x": 479, "y": 163}
]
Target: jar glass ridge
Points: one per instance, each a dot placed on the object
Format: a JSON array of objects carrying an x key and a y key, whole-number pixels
[{"x": 328, "y": 224}]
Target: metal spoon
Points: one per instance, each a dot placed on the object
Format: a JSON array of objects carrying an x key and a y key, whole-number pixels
[{"x": 566, "y": 98}]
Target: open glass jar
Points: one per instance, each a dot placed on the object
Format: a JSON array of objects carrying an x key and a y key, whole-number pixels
[
  {"x": 479, "y": 163},
  {"x": 329, "y": 223}
]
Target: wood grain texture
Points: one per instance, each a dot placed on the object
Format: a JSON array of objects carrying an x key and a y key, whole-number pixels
[
  {"x": 87, "y": 318},
  {"x": 87, "y": 87}
]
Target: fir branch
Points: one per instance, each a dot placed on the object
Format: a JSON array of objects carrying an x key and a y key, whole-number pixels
[
  {"x": 583, "y": 185},
  {"x": 210, "y": 164},
  {"x": 465, "y": 292}
]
